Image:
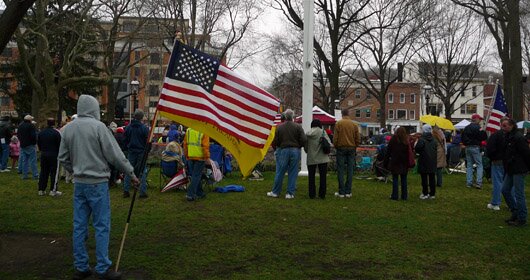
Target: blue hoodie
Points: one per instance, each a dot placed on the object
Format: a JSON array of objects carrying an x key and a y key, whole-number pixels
[
  {"x": 173, "y": 134},
  {"x": 88, "y": 146},
  {"x": 136, "y": 134}
]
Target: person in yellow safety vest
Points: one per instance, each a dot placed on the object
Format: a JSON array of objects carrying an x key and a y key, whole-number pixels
[{"x": 197, "y": 150}]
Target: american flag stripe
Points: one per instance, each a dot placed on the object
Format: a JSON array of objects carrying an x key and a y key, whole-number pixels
[
  {"x": 228, "y": 88},
  {"x": 182, "y": 92},
  {"x": 233, "y": 76},
  {"x": 242, "y": 126}
]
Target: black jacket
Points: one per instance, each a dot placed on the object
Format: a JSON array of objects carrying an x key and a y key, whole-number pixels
[
  {"x": 426, "y": 148},
  {"x": 27, "y": 134},
  {"x": 516, "y": 153},
  {"x": 495, "y": 146},
  {"x": 472, "y": 135},
  {"x": 49, "y": 141},
  {"x": 6, "y": 131}
]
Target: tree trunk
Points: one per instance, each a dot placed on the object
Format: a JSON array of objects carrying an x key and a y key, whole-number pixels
[
  {"x": 514, "y": 92},
  {"x": 111, "y": 101},
  {"x": 10, "y": 18},
  {"x": 382, "y": 117},
  {"x": 448, "y": 108}
]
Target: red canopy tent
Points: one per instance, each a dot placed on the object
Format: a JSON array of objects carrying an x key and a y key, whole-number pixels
[{"x": 321, "y": 115}]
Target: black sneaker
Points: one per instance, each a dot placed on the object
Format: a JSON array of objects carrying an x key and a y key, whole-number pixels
[
  {"x": 511, "y": 219},
  {"x": 143, "y": 195},
  {"x": 80, "y": 275},
  {"x": 110, "y": 275},
  {"x": 126, "y": 194}
]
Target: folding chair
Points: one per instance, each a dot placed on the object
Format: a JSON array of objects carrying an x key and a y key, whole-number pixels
[{"x": 456, "y": 162}]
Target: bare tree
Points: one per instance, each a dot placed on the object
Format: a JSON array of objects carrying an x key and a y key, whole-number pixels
[
  {"x": 335, "y": 22},
  {"x": 219, "y": 27},
  {"x": 389, "y": 34},
  {"x": 503, "y": 19},
  {"x": 117, "y": 44},
  {"x": 53, "y": 46},
  {"x": 452, "y": 50}
]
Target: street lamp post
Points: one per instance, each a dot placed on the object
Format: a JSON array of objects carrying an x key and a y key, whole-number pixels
[
  {"x": 427, "y": 89},
  {"x": 135, "y": 86}
]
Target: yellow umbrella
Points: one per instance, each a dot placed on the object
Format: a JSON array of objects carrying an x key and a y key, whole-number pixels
[{"x": 440, "y": 122}]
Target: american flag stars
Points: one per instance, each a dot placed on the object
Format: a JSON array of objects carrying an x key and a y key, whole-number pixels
[{"x": 195, "y": 68}]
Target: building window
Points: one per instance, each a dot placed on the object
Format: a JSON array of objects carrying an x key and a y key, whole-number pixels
[
  {"x": 462, "y": 109},
  {"x": 153, "y": 90},
  {"x": 137, "y": 71},
  {"x": 153, "y": 103},
  {"x": 357, "y": 113},
  {"x": 368, "y": 95},
  {"x": 474, "y": 91},
  {"x": 412, "y": 115},
  {"x": 129, "y": 26},
  {"x": 358, "y": 93},
  {"x": 390, "y": 114},
  {"x": 390, "y": 97},
  {"x": 155, "y": 58},
  {"x": 471, "y": 108},
  {"x": 154, "y": 74},
  {"x": 401, "y": 114},
  {"x": 412, "y": 98},
  {"x": 368, "y": 113},
  {"x": 401, "y": 98},
  {"x": 350, "y": 102},
  {"x": 463, "y": 93}
]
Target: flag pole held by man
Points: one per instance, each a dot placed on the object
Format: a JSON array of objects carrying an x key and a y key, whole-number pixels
[{"x": 200, "y": 93}]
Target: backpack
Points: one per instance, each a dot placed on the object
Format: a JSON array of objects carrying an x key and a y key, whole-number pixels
[{"x": 324, "y": 143}]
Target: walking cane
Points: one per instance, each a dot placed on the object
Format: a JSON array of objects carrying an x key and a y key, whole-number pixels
[{"x": 138, "y": 170}]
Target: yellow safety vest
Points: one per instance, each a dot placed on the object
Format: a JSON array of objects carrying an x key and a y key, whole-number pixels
[{"x": 193, "y": 140}]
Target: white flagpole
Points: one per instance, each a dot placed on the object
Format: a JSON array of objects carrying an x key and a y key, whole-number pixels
[{"x": 307, "y": 90}]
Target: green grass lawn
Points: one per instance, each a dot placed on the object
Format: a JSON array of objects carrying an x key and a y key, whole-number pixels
[{"x": 250, "y": 236}]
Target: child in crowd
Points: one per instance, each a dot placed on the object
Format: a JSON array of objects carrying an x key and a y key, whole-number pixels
[{"x": 14, "y": 151}]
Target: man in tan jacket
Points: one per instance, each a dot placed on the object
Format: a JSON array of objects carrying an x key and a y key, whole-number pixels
[{"x": 346, "y": 138}]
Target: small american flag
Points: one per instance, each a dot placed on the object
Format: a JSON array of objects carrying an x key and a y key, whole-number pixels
[
  {"x": 198, "y": 87},
  {"x": 498, "y": 111}
]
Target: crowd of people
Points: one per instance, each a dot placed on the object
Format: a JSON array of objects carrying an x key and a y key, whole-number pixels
[
  {"x": 429, "y": 150},
  {"x": 93, "y": 155}
]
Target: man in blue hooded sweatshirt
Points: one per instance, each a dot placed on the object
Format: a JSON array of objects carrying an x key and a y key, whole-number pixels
[{"x": 87, "y": 148}]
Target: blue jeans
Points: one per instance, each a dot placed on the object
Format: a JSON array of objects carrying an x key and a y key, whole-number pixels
[
  {"x": 395, "y": 185},
  {"x": 345, "y": 163},
  {"x": 195, "y": 189},
  {"x": 497, "y": 178},
  {"x": 517, "y": 204},
  {"x": 5, "y": 156},
  {"x": 28, "y": 156},
  {"x": 287, "y": 160},
  {"x": 134, "y": 159},
  {"x": 91, "y": 200},
  {"x": 473, "y": 156}
]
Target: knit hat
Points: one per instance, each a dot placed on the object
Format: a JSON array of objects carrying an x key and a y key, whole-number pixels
[
  {"x": 28, "y": 118},
  {"x": 138, "y": 114},
  {"x": 427, "y": 128}
]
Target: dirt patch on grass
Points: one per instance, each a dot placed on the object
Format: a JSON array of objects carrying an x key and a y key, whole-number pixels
[{"x": 42, "y": 255}]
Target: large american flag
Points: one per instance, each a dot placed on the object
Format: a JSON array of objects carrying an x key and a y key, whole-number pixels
[
  {"x": 498, "y": 111},
  {"x": 198, "y": 87}
]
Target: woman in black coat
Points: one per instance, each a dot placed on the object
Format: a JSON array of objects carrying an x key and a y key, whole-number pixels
[
  {"x": 397, "y": 161},
  {"x": 426, "y": 148},
  {"x": 516, "y": 164}
]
